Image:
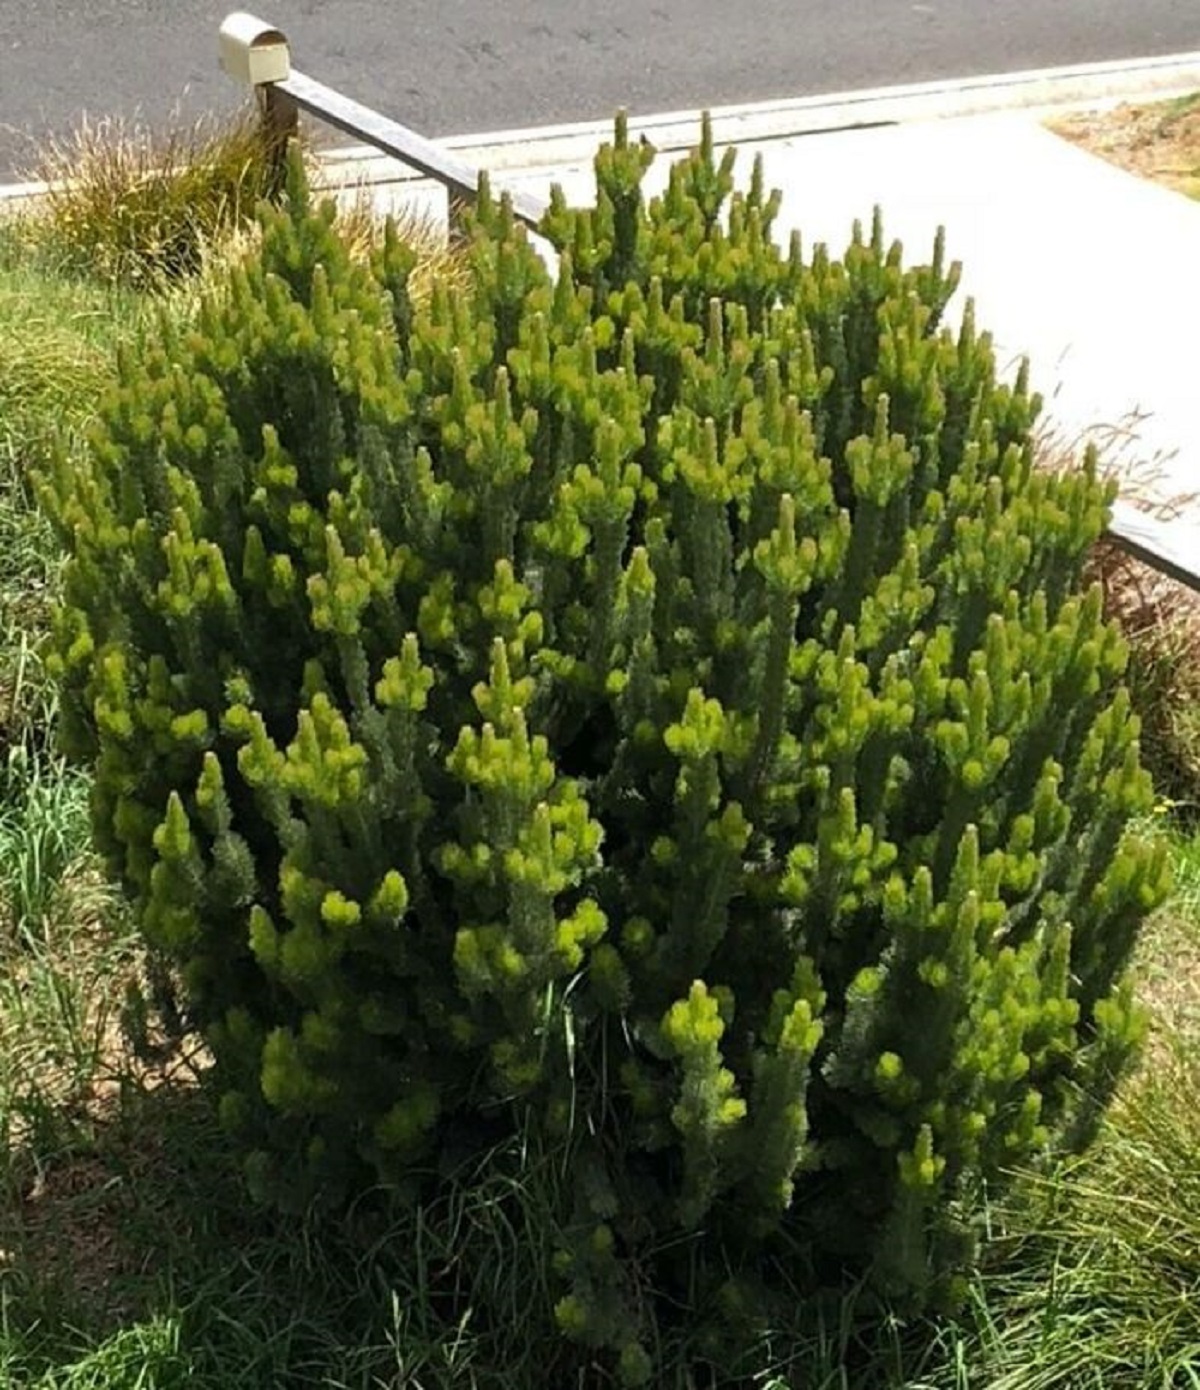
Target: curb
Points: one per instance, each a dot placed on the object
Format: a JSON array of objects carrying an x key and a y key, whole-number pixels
[
  {"x": 535, "y": 148},
  {"x": 23, "y": 192},
  {"x": 1043, "y": 88}
]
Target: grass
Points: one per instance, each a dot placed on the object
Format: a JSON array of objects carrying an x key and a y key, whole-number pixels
[
  {"x": 136, "y": 207},
  {"x": 135, "y": 1257},
  {"x": 132, "y": 208},
  {"x": 128, "y": 1255},
  {"x": 1099, "y": 1284},
  {"x": 58, "y": 334},
  {"x": 58, "y": 339}
]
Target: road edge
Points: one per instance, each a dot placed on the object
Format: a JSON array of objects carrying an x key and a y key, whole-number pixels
[
  {"x": 754, "y": 123},
  {"x": 541, "y": 147}
]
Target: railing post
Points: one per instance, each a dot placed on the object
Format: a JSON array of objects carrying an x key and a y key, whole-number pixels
[
  {"x": 280, "y": 126},
  {"x": 255, "y": 53},
  {"x": 457, "y": 207}
]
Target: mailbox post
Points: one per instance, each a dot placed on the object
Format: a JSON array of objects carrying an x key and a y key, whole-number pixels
[{"x": 257, "y": 55}]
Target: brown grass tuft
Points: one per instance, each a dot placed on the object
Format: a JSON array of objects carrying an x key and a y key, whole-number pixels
[
  {"x": 1156, "y": 140},
  {"x": 133, "y": 206},
  {"x": 361, "y": 228},
  {"x": 1159, "y": 618}
]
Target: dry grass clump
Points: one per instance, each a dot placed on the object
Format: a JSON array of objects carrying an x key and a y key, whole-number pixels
[
  {"x": 1157, "y": 140},
  {"x": 138, "y": 208},
  {"x": 1159, "y": 617},
  {"x": 132, "y": 206},
  {"x": 360, "y": 226},
  {"x": 1161, "y": 621},
  {"x": 439, "y": 259}
]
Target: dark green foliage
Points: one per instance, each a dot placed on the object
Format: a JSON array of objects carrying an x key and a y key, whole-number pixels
[{"x": 653, "y": 705}]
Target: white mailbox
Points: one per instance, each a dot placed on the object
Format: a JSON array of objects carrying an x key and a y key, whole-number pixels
[{"x": 254, "y": 52}]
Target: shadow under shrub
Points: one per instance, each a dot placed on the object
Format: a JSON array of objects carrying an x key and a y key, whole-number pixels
[{"x": 654, "y": 704}]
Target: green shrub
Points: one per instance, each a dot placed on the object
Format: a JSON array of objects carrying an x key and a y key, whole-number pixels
[{"x": 653, "y": 707}]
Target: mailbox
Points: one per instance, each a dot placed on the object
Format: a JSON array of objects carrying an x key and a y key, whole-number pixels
[{"x": 253, "y": 52}]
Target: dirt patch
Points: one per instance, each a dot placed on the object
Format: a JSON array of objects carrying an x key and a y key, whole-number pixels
[
  {"x": 88, "y": 1229},
  {"x": 1156, "y": 140},
  {"x": 66, "y": 1233}
]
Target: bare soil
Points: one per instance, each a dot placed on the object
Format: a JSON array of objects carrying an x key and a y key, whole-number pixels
[{"x": 1157, "y": 140}]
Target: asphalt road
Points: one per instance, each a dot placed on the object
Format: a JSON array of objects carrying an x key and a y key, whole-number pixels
[{"x": 459, "y": 66}]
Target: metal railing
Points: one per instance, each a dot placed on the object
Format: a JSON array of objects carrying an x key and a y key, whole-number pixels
[
  {"x": 254, "y": 52},
  {"x": 257, "y": 54},
  {"x": 1159, "y": 544}
]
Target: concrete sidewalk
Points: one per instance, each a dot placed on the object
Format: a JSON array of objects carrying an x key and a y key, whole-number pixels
[{"x": 1090, "y": 272}]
